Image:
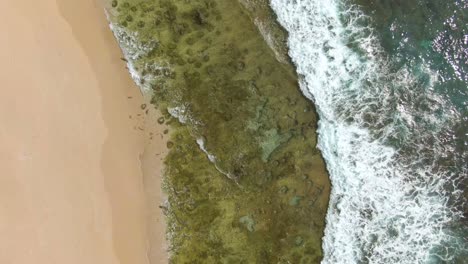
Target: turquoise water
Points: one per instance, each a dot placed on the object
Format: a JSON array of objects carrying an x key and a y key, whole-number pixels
[
  {"x": 433, "y": 34},
  {"x": 389, "y": 79}
]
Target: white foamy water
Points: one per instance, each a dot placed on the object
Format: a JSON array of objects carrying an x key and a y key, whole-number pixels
[
  {"x": 133, "y": 50},
  {"x": 388, "y": 202}
]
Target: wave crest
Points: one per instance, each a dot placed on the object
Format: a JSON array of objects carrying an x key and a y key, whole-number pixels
[{"x": 383, "y": 132}]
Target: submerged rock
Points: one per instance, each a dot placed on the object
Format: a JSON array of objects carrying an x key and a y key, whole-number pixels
[
  {"x": 295, "y": 200},
  {"x": 284, "y": 189},
  {"x": 248, "y": 222},
  {"x": 214, "y": 77},
  {"x": 298, "y": 241},
  {"x": 271, "y": 140}
]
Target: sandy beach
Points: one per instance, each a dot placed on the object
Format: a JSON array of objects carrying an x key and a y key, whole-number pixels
[{"x": 72, "y": 139}]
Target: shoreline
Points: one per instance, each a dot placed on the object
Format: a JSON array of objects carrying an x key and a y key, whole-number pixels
[
  {"x": 152, "y": 161},
  {"x": 72, "y": 140},
  {"x": 152, "y": 167}
]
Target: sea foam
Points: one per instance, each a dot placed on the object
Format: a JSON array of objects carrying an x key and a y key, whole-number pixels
[{"x": 378, "y": 133}]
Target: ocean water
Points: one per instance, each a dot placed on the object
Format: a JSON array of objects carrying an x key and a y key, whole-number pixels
[{"x": 389, "y": 80}]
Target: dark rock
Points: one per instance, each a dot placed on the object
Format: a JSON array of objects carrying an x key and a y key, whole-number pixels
[
  {"x": 190, "y": 41},
  {"x": 298, "y": 241},
  {"x": 166, "y": 72},
  {"x": 170, "y": 144},
  {"x": 240, "y": 66},
  {"x": 284, "y": 189},
  {"x": 157, "y": 22},
  {"x": 199, "y": 17}
]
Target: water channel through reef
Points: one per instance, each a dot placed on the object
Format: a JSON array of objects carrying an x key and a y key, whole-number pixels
[{"x": 244, "y": 180}]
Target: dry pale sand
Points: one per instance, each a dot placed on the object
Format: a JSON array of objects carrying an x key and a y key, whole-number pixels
[{"x": 71, "y": 140}]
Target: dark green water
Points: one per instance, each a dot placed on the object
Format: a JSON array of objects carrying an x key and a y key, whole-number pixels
[
  {"x": 244, "y": 180},
  {"x": 434, "y": 34},
  {"x": 388, "y": 78}
]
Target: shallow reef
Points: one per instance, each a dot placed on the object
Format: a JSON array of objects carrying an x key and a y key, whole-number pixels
[{"x": 244, "y": 180}]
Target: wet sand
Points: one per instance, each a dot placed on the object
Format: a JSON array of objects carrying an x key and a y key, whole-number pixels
[{"x": 71, "y": 142}]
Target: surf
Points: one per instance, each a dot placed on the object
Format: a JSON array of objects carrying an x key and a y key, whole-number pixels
[{"x": 381, "y": 132}]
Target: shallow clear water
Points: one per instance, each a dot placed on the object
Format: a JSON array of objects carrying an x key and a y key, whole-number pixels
[
  {"x": 244, "y": 180},
  {"x": 389, "y": 79}
]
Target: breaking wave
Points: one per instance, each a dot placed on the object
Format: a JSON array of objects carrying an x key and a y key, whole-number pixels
[{"x": 387, "y": 137}]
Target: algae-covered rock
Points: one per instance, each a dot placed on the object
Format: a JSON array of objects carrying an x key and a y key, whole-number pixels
[{"x": 242, "y": 135}]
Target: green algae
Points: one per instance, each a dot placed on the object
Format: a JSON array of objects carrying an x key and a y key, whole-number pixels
[
  {"x": 214, "y": 220},
  {"x": 244, "y": 180}
]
